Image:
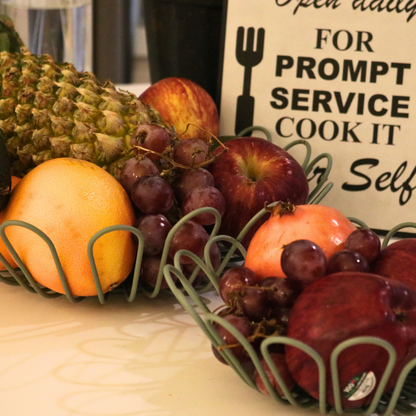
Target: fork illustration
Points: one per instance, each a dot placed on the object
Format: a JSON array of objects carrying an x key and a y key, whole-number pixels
[{"x": 248, "y": 58}]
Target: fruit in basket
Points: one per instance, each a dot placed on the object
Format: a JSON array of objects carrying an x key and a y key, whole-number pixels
[
  {"x": 398, "y": 261},
  {"x": 347, "y": 261},
  {"x": 234, "y": 281},
  {"x": 50, "y": 110},
  {"x": 3, "y": 249},
  {"x": 70, "y": 200},
  {"x": 155, "y": 229},
  {"x": 342, "y": 306},
  {"x": 364, "y": 241},
  {"x": 134, "y": 169},
  {"x": 189, "y": 236},
  {"x": 243, "y": 325},
  {"x": 151, "y": 140},
  {"x": 303, "y": 261},
  {"x": 325, "y": 226},
  {"x": 152, "y": 195},
  {"x": 150, "y": 271},
  {"x": 190, "y": 179},
  {"x": 282, "y": 293},
  {"x": 191, "y": 152},
  {"x": 180, "y": 102},
  {"x": 249, "y": 174},
  {"x": 202, "y": 197}
]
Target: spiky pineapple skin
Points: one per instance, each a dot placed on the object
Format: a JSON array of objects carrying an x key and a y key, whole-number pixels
[{"x": 50, "y": 110}]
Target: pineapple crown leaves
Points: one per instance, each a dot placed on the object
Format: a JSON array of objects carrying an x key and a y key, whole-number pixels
[{"x": 10, "y": 41}]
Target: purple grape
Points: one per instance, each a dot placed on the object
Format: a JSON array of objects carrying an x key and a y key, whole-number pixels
[
  {"x": 281, "y": 315},
  {"x": 155, "y": 229},
  {"x": 364, "y": 241},
  {"x": 254, "y": 303},
  {"x": 152, "y": 195},
  {"x": 134, "y": 169},
  {"x": 190, "y": 179},
  {"x": 347, "y": 261},
  {"x": 201, "y": 197},
  {"x": 150, "y": 270},
  {"x": 190, "y": 236},
  {"x": 244, "y": 326},
  {"x": 152, "y": 137},
  {"x": 235, "y": 280},
  {"x": 303, "y": 261},
  {"x": 191, "y": 152},
  {"x": 282, "y": 292}
]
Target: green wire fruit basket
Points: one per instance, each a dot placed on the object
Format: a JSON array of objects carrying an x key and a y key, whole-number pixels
[
  {"x": 400, "y": 401},
  {"x": 132, "y": 285}
]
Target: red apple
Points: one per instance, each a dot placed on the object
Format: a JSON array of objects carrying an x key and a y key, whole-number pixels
[
  {"x": 180, "y": 102},
  {"x": 250, "y": 173},
  {"x": 345, "y": 305},
  {"x": 398, "y": 261}
]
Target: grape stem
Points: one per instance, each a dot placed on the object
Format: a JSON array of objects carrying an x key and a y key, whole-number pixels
[
  {"x": 179, "y": 165},
  {"x": 263, "y": 329}
]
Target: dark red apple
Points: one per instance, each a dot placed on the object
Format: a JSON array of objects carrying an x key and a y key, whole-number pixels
[
  {"x": 181, "y": 101},
  {"x": 249, "y": 174},
  {"x": 398, "y": 261},
  {"x": 345, "y": 305}
]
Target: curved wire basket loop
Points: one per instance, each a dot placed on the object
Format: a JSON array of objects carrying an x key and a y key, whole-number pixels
[
  {"x": 395, "y": 230},
  {"x": 384, "y": 379},
  {"x": 139, "y": 255},
  {"x": 27, "y": 281}
]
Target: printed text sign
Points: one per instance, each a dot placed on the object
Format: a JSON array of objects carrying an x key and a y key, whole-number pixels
[{"x": 340, "y": 74}]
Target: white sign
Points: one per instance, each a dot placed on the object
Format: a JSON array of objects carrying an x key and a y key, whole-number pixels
[{"x": 340, "y": 74}]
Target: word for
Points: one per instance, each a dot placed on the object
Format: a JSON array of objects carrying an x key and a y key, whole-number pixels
[{"x": 343, "y": 40}]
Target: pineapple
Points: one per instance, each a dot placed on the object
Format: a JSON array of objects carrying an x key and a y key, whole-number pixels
[
  {"x": 5, "y": 177},
  {"x": 50, "y": 110}
]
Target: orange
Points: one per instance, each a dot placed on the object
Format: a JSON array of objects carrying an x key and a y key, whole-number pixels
[
  {"x": 70, "y": 200},
  {"x": 3, "y": 249},
  {"x": 15, "y": 181}
]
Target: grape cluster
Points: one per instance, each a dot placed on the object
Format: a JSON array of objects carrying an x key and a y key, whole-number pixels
[
  {"x": 259, "y": 308},
  {"x": 166, "y": 181}
]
